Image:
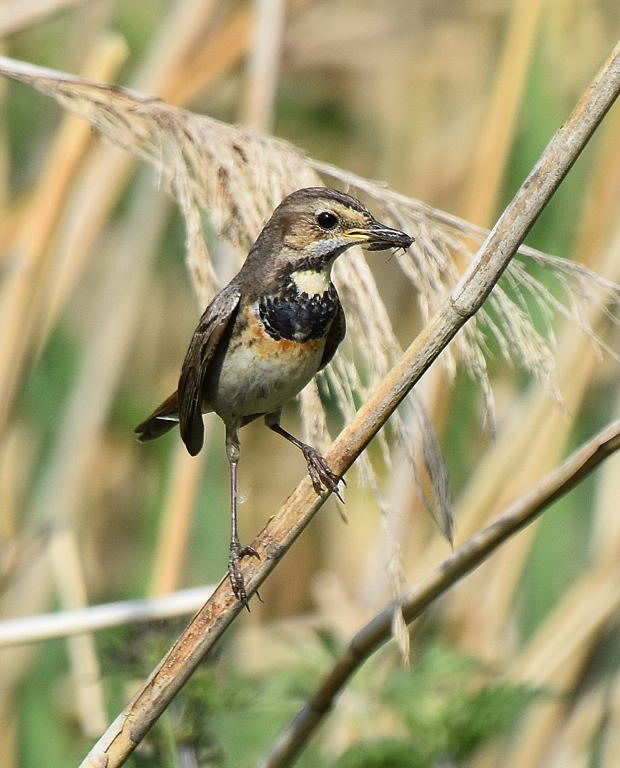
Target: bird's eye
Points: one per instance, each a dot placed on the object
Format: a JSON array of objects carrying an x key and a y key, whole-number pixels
[{"x": 326, "y": 220}]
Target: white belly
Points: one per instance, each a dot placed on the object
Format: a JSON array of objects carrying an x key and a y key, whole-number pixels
[{"x": 262, "y": 378}]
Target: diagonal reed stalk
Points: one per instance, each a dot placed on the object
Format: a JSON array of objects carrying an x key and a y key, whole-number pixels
[{"x": 204, "y": 630}]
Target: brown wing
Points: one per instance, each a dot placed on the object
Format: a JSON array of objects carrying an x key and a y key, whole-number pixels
[
  {"x": 335, "y": 335},
  {"x": 207, "y": 336}
]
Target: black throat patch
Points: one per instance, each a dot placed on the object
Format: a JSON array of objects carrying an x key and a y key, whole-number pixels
[{"x": 297, "y": 316}]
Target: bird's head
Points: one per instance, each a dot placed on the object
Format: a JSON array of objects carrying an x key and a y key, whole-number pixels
[{"x": 313, "y": 226}]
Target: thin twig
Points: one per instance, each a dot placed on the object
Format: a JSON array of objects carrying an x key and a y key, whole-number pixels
[
  {"x": 467, "y": 557},
  {"x": 130, "y": 727}
]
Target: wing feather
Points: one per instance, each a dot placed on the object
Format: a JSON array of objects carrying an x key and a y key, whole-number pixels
[
  {"x": 336, "y": 334},
  {"x": 209, "y": 332}
]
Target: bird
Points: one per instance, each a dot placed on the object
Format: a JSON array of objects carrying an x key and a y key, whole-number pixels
[{"x": 268, "y": 332}]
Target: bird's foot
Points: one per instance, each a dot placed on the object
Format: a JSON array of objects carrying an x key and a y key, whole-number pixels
[
  {"x": 321, "y": 474},
  {"x": 234, "y": 570}
]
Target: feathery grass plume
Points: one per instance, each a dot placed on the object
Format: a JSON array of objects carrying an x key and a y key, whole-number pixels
[
  {"x": 431, "y": 268},
  {"x": 238, "y": 177}
]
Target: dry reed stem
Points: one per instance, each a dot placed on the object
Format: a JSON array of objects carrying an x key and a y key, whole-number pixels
[
  {"x": 576, "y": 365},
  {"x": 30, "y": 285},
  {"x": 176, "y": 517},
  {"x": 521, "y": 456},
  {"x": 567, "y": 637},
  {"x": 611, "y": 742},
  {"x": 578, "y": 607},
  {"x": 62, "y": 272},
  {"x": 606, "y": 528},
  {"x": 182, "y": 37},
  {"x": 100, "y": 186},
  {"x": 222, "y": 51},
  {"x": 421, "y": 595},
  {"x": 30, "y": 590},
  {"x": 70, "y": 585},
  {"x": 555, "y": 655},
  {"x": 122, "y": 287},
  {"x": 34, "y": 629},
  {"x": 60, "y": 494},
  {"x": 108, "y": 170},
  {"x": 500, "y": 122},
  {"x": 95, "y": 194},
  {"x": 129, "y": 728},
  {"x": 495, "y": 136},
  {"x": 534, "y": 428},
  {"x": 578, "y": 737},
  {"x": 6, "y": 221},
  {"x": 554, "y": 659},
  {"x": 16, "y": 15},
  {"x": 263, "y": 65},
  {"x": 600, "y": 207},
  {"x": 12, "y": 464},
  {"x": 62, "y": 491}
]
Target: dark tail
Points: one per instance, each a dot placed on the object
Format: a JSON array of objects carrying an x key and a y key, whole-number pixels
[{"x": 163, "y": 418}]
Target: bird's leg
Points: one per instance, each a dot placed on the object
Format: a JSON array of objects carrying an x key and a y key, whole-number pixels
[
  {"x": 236, "y": 550},
  {"x": 321, "y": 474}
]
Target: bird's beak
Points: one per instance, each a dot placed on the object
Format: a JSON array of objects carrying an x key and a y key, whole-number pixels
[{"x": 377, "y": 237}]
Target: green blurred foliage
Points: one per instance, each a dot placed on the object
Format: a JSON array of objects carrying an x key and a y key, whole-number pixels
[{"x": 228, "y": 719}]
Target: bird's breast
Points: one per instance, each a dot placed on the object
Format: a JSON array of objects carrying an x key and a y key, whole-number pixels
[
  {"x": 262, "y": 369},
  {"x": 298, "y": 316}
]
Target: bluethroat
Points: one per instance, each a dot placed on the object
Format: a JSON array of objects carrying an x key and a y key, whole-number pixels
[{"x": 268, "y": 332}]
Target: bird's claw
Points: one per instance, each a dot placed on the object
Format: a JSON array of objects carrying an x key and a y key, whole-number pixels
[
  {"x": 321, "y": 474},
  {"x": 237, "y": 581}
]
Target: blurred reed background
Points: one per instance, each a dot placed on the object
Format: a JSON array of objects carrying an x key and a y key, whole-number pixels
[{"x": 447, "y": 102}]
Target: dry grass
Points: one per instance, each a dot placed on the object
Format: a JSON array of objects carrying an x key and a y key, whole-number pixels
[{"x": 78, "y": 268}]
